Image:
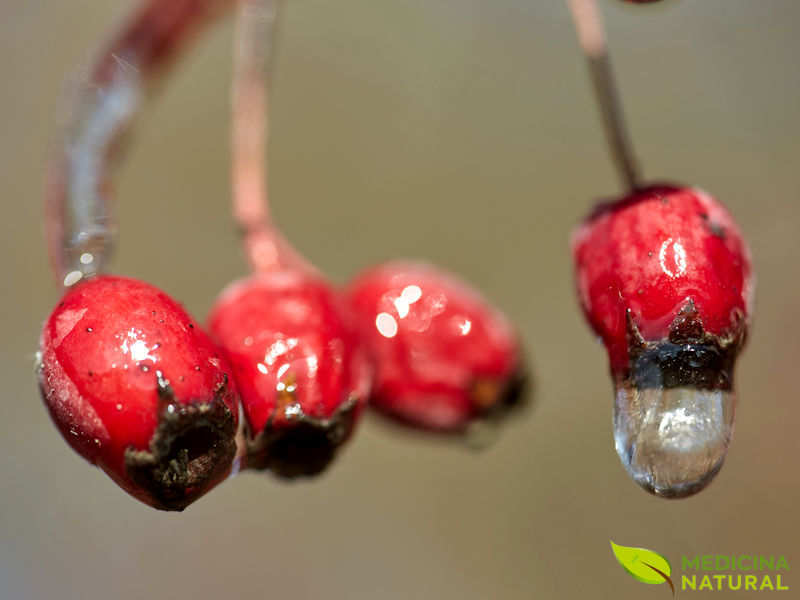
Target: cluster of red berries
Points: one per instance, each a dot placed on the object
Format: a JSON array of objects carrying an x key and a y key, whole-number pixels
[
  {"x": 166, "y": 410},
  {"x": 290, "y": 362}
]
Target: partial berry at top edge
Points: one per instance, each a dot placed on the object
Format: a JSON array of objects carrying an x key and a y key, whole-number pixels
[
  {"x": 137, "y": 388},
  {"x": 443, "y": 356},
  {"x": 303, "y": 376}
]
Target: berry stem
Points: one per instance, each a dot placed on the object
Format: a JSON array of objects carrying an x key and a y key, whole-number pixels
[
  {"x": 265, "y": 247},
  {"x": 592, "y": 38},
  {"x": 78, "y": 216}
]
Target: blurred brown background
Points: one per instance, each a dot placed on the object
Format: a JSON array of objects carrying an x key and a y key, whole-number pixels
[{"x": 463, "y": 131}]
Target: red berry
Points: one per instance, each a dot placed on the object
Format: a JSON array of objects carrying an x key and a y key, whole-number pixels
[
  {"x": 137, "y": 388},
  {"x": 650, "y": 256},
  {"x": 663, "y": 277},
  {"x": 300, "y": 370},
  {"x": 443, "y": 355}
]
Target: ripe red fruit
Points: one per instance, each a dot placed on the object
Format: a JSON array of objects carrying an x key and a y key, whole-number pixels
[
  {"x": 663, "y": 277},
  {"x": 137, "y": 388},
  {"x": 443, "y": 355},
  {"x": 300, "y": 369}
]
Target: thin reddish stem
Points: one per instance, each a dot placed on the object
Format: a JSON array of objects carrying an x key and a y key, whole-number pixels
[
  {"x": 592, "y": 38},
  {"x": 265, "y": 247}
]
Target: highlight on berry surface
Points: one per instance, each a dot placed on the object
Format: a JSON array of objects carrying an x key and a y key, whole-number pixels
[
  {"x": 664, "y": 278},
  {"x": 444, "y": 357}
]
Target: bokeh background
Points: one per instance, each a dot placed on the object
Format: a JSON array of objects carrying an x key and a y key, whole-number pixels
[{"x": 464, "y": 132}]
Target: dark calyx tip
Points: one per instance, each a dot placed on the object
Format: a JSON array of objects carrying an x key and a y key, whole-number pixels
[
  {"x": 496, "y": 399},
  {"x": 689, "y": 357},
  {"x": 305, "y": 447},
  {"x": 517, "y": 392},
  {"x": 192, "y": 448}
]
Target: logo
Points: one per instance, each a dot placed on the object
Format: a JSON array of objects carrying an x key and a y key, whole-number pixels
[
  {"x": 706, "y": 572},
  {"x": 644, "y": 565}
]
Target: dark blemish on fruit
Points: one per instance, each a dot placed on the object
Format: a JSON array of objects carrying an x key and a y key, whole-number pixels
[
  {"x": 650, "y": 254},
  {"x": 89, "y": 330},
  {"x": 191, "y": 326},
  {"x": 91, "y": 374},
  {"x": 197, "y": 367},
  {"x": 716, "y": 230}
]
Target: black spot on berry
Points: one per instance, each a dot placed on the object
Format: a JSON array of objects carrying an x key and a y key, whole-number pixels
[{"x": 717, "y": 230}]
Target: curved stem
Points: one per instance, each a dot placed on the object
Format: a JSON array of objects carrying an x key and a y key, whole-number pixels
[
  {"x": 591, "y": 35},
  {"x": 78, "y": 216},
  {"x": 264, "y": 245}
]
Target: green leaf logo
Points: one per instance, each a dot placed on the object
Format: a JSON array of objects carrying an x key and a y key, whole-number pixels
[{"x": 645, "y": 565}]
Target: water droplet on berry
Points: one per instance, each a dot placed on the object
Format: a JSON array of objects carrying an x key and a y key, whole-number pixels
[{"x": 672, "y": 440}]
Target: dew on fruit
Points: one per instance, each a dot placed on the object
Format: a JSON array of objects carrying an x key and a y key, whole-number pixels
[{"x": 673, "y": 440}]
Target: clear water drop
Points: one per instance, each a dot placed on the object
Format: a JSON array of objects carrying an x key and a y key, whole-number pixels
[{"x": 673, "y": 440}]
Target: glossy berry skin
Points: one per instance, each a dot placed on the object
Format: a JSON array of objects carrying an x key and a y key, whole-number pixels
[
  {"x": 303, "y": 376},
  {"x": 137, "y": 388},
  {"x": 665, "y": 262},
  {"x": 443, "y": 356}
]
